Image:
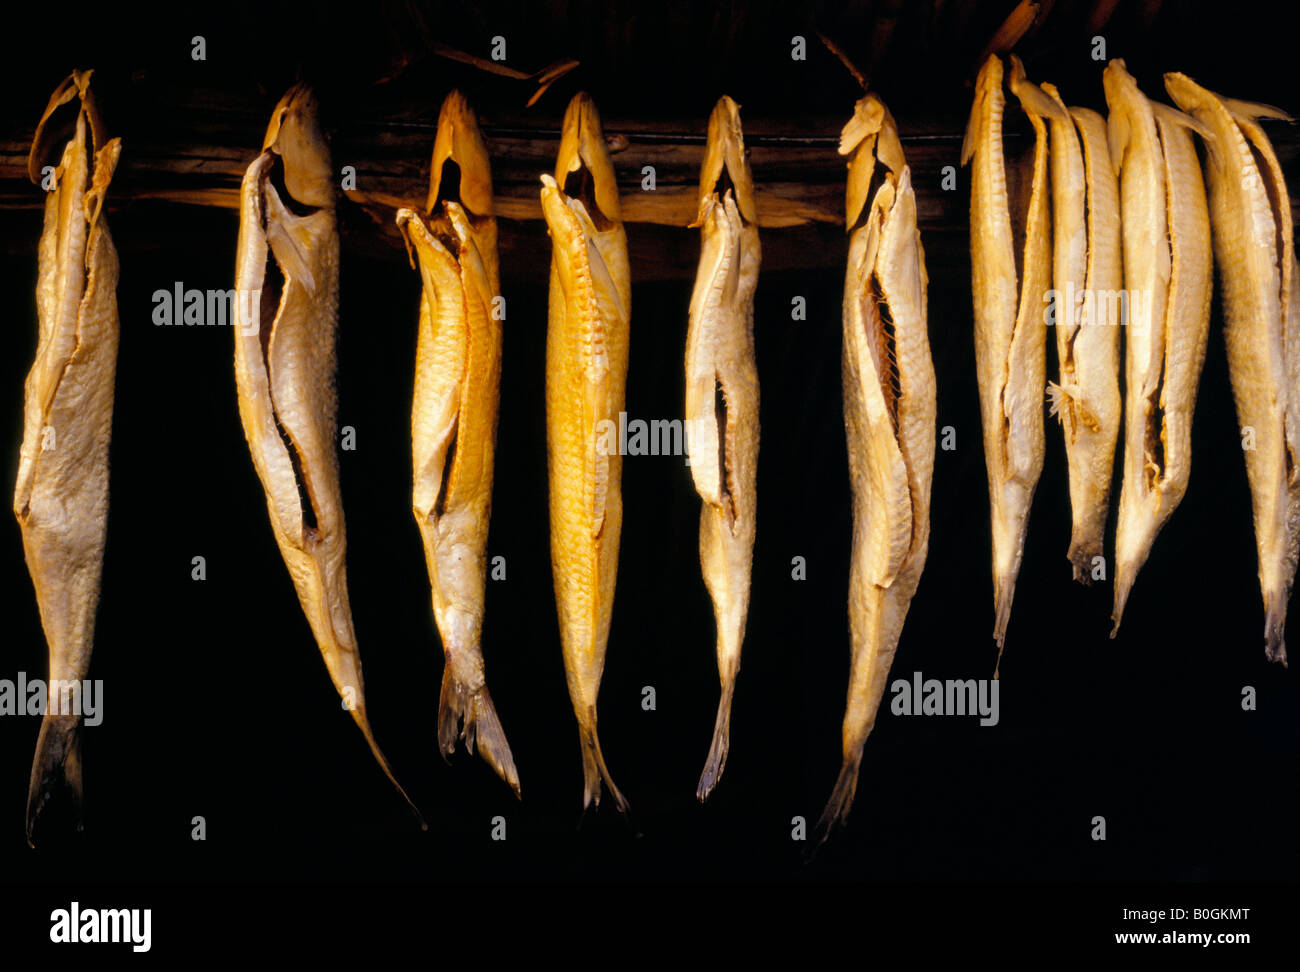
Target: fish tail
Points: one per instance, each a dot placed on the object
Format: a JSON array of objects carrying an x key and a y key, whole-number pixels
[
  {"x": 1124, "y": 578},
  {"x": 363, "y": 723},
  {"x": 1275, "y": 626},
  {"x": 841, "y": 799},
  {"x": 717, "y": 759},
  {"x": 594, "y": 770},
  {"x": 1085, "y": 547},
  {"x": 56, "y": 769},
  {"x": 1004, "y": 591},
  {"x": 458, "y": 704}
]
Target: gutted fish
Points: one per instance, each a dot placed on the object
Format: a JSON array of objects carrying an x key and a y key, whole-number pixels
[
  {"x": 1167, "y": 283},
  {"x": 1254, "y": 244},
  {"x": 1087, "y": 278},
  {"x": 1011, "y": 270},
  {"x": 287, "y": 286},
  {"x": 889, "y": 417},
  {"x": 722, "y": 401},
  {"x": 61, "y": 494},
  {"x": 586, "y": 373},
  {"x": 454, "y": 419}
]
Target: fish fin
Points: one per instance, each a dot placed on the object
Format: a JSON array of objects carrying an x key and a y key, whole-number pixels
[
  {"x": 1056, "y": 397},
  {"x": 293, "y": 261},
  {"x": 594, "y": 770},
  {"x": 1275, "y": 627},
  {"x": 1124, "y": 578},
  {"x": 1253, "y": 109},
  {"x": 721, "y": 745},
  {"x": 56, "y": 770},
  {"x": 1032, "y": 98},
  {"x": 1175, "y": 117},
  {"x": 473, "y": 717},
  {"x": 841, "y": 800},
  {"x": 1004, "y": 588}
]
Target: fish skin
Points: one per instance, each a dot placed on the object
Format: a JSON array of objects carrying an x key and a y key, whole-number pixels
[
  {"x": 720, "y": 353},
  {"x": 1166, "y": 245},
  {"x": 586, "y": 375},
  {"x": 889, "y": 432},
  {"x": 454, "y": 422},
  {"x": 1254, "y": 246},
  {"x": 285, "y": 380},
  {"x": 1010, "y": 341},
  {"x": 1086, "y": 259},
  {"x": 61, "y": 492}
]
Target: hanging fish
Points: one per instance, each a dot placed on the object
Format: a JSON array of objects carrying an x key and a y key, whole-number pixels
[
  {"x": 889, "y": 419},
  {"x": 722, "y": 401},
  {"x": 1254, "y": 241},
  {"x": 1009, "y": 335},
  {"x": 454, "y": 420},
  {"x": 586, "y": 373},
  {"x": 1087, "y": 277},
  {"x": 1167, "y": 282},
  {"x": 61, "y": 493},
  {"x": 286, "y": 286}
]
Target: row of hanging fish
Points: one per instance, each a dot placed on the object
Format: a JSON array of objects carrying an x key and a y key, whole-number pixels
[
  {"x": 1113, "y": 205},
  {"x": 1117, "y": 228}
]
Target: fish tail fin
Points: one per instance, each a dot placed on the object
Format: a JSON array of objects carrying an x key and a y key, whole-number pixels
[
  {"x": 472, "y": 716},
  {"x": 717, "y": 758},
  {"x": 1085, "y": 546},
  {"x": 363, "y": 723},
  {"x": 594, "y": 770},
  {"x": 1275, "y": 626},
  {"x": 1124, "y": 578},
  {"x": 1004, "y": 591},
  {"x": 841, "y": 800},
  {"x": 56, "y": 770}
]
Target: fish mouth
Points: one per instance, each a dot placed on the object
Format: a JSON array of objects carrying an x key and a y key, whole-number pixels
[
  {"x": 294, "y": 135},
  {"x": 461, "y": 171},
  {"x": 726, "y": 166},
  {"x": 583, "y": 169}
]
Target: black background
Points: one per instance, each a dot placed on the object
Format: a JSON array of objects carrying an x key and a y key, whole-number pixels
[{"x": 218, "y": 704}]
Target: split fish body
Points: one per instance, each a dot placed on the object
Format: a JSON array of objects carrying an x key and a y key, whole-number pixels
[
  {"x": 1167, "y": 279},
  {"x": 889, "y": 419},
  {"x": 1009, "y": 334},
  {"x": 1087, "y": 276},
  {"x": 61, "y": 493},
  {"x": 586, "y": 374},
  {"x": 288, "y": 259},
  {"x": 722, "y": 401},
  {"x": 454, "y": 421},
  {"x": 1255, "y": 247}
]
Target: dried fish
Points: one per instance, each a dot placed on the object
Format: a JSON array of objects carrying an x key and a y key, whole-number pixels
[
  {"x": 1009, "y": 336},
  {"x": 889, "y": 418},
  {"x": 586, "y": 373},
  {"x": 722, "y": 401},
  {"x": 1086, "y": 277},
  {"x": 1167, "y": 283},
  {"x": 1254, "y": 243},
  {"x": 61, "y": 493},
  {"x": 286, "y": 284},
  {"x": 454, "y": 420}
]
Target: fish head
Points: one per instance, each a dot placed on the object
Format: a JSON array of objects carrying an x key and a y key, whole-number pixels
[
  {"x": 869, "y": 138},
  {"x": 295, "y": 136},
  {"x": 460, "y": 141},
  {"x": 725, "y": 163},
  {"x": 583, "y": 168}
]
